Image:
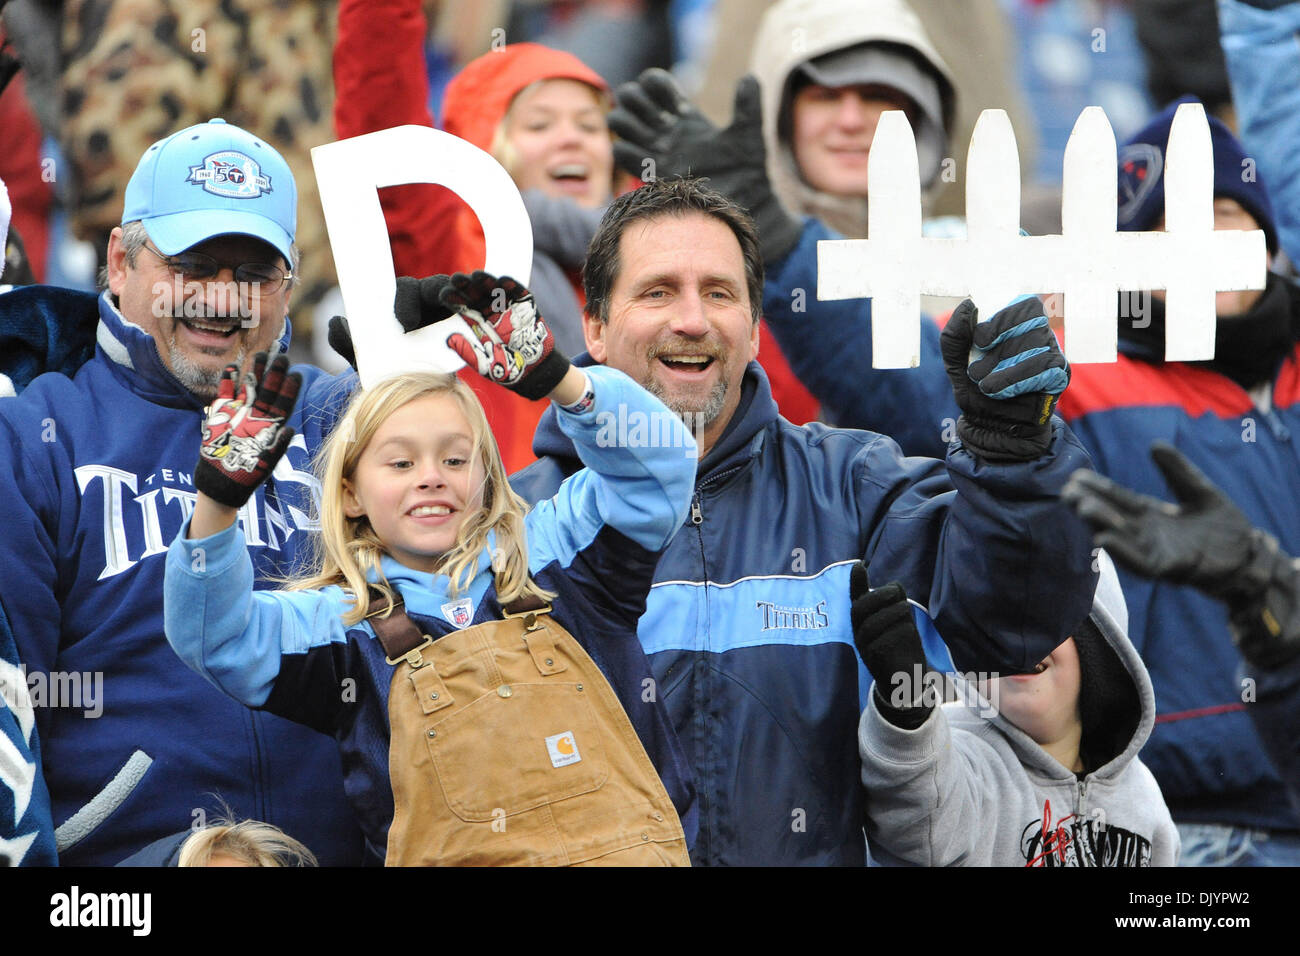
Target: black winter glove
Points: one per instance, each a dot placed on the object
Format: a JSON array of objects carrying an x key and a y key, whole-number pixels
[
  {"x": 886, "y": 636},
  {"x": 511, "y": 344},
  {"x": 656, "y": 121},
  {"x": 340, "y": 340},
  {"x": 1206, "y": 542},
  {"x": 417, "y": 303},
  {"x": 1267, "y": 628},
  {"x": 1007, "y": 375},
  {"x": 244, "y": 431}
]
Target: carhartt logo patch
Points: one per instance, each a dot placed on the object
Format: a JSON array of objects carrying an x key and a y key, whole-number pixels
[
  {"x": 231, "y": 173},
  {"x": 459, "y": 612},
  {"x": 563, "y": 749}
]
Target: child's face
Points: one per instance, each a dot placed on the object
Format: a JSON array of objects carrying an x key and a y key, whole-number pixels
[
  {"x": 1044, "y": 705},
  {"x": 417, "y": 480}
]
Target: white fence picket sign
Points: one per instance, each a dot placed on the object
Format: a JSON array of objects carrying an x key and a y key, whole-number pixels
[{"x": 1090, "y": 261}]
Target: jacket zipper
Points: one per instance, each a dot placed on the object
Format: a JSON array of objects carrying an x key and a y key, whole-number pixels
[
  {"x": 1080, "y": 809},
  {"x": 702, "y": 695},
  {"x": 1275, "y": 425}
]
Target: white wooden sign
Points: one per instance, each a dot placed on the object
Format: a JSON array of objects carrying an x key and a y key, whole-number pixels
[
  {"x": 1090, "y": 261},
  {"x": 349, "y": 174}
]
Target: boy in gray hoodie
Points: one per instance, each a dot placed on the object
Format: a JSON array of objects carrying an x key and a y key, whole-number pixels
[{"x": 1031, "y": 770}]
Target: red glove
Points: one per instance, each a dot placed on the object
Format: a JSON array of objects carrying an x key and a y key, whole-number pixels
[
  {"x": 243, "y": 438},
  {"x": 511, "y": 344}
]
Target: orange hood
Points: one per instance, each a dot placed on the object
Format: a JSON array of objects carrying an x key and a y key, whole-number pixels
[{"x": 478, "y": 97}]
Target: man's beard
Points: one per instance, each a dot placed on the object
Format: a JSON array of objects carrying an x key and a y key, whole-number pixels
[
  {"x": 697, "y": 417},
  {"x": 201, "y": 382}
]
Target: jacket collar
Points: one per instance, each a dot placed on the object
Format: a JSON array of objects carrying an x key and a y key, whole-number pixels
[
  {"x": 426, "y": 593},
  {"x": 133, "y": 357}
]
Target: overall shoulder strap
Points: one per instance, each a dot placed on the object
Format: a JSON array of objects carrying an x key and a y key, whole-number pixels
[
  {"x": 396, "y": 631},
  {"x": 522, "y": 605}
]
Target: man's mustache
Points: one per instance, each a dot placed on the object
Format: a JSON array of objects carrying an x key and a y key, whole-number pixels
[{"x": 709, "y": 349}]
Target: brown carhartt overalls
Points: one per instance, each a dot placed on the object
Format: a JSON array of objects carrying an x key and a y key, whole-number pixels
[{"x": 510, "y": 748}]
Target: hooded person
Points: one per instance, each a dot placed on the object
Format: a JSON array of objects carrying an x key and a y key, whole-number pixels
[
  {"x": 1035, "y": 770},
  {"x": 857, "y": 58},
  {"x": 827, "y": 70}
]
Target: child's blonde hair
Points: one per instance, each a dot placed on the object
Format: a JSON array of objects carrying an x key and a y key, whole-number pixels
[
  {"x": 347, "y": 551},
  {"x": 251, "y": 842}
]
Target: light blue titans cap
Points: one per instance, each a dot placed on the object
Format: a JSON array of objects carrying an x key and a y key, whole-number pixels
[{"x": 211, "y": 180}]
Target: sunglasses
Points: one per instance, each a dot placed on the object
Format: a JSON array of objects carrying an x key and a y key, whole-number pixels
[{"x": 268, "y": 278}]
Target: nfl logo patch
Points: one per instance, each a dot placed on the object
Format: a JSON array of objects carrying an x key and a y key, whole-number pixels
[{"x": 459, "y": 612}]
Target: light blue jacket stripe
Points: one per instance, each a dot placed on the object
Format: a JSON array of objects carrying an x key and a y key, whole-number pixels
[{"x": 767, "y": 610}]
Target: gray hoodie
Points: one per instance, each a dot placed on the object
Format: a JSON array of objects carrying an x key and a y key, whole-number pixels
[
  {"x": 968, "y": 788},
  {"x": 791, "y": 33}
]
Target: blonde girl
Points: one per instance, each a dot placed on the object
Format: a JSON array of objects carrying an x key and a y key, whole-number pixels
[{"x": 477, "y": 663}]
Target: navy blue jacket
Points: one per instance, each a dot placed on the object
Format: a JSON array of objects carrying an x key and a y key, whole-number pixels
[
  {"x": 747, "y": 626},
  {"x": 99, "y": 479}
]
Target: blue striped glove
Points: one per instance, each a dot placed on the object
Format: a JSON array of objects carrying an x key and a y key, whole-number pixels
[{"x": 1007, "y": 375}]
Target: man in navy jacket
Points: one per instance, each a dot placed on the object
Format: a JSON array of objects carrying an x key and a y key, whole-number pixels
[
  {"x": 133, "y": 745},
  {"x": 747, "y": 626}
]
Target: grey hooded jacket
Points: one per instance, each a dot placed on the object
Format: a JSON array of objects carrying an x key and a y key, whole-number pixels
[{"x": 968, "y": 788}]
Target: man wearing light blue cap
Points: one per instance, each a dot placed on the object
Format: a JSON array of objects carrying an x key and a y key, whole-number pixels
[
  {"x": 133, "y": 745},
  {"x": 206, "y": 196}
]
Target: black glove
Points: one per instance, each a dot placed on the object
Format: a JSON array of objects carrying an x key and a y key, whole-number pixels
[
  {"x": 244, "y": 431},
  {"x": 1267, "y": 628},
  {"x": 511, "y": 344},
  {"x": 1206, "y": 542},
  {"x": 886, "y": 636},
  {"x": 417, "y": 303},
  {"x": 1007, "y": 374},
  {"x": 657, "y": 122},
  {"x": 340, "y": 340}
]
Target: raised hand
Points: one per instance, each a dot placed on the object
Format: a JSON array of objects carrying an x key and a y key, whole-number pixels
[
  {"x": 1204, "y": 541},
  {"x": 886, "y": 636},
  {"x": 510, "y": 342},
  {"x": 417, "y": 303},
  {"x": 1007, "y": 375},
  {"x": 657, "y": 122},
  {"x": 244, "y": 431}
]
